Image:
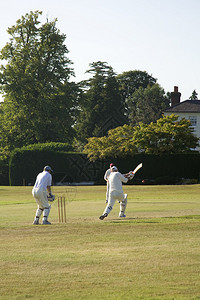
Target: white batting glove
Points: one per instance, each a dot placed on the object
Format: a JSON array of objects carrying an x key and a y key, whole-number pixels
[{"x": 131, "y": 175}]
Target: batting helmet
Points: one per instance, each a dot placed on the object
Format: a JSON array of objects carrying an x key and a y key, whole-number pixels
[
  {"x": 48, "y": 168},
  {"x": 114, "y": 168}
]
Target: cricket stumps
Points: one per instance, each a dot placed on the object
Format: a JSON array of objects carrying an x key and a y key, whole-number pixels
[{"x": 61, "y": 210}]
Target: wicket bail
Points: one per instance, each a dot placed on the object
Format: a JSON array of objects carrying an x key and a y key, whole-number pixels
[{"x": 61, "y": 210}]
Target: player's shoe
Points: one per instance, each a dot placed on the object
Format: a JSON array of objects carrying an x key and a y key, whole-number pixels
[
  {"x": 36, "y": 222},
  {"x": 103, "y": 216},
  {"x": 46, "y": 222},
  {"x": 124, "y": 216}
]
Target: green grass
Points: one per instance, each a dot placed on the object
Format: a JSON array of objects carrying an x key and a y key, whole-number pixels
[{"x": 152, "y": 254}]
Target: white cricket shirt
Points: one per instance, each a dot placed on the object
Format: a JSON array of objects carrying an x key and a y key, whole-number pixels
[
  {"x": 115, "y": 181},
  {"x": 43, "y": 180},
  {"x": 107, "y": 174}
]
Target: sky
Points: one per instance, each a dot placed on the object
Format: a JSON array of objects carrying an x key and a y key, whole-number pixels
[{"x": 156, "y": 36}]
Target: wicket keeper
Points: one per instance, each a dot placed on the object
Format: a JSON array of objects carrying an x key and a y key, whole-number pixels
[{"x": 41, "y": 187}]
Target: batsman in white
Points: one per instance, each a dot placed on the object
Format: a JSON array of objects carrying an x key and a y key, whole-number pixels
[
  {"x": 116, "y": 192},
  {"x": 106, "y": 176},
  {"x": 41, "y": 188}
]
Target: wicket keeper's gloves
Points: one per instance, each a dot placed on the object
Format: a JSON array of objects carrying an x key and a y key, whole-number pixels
[{"x": 50, "y": 197}]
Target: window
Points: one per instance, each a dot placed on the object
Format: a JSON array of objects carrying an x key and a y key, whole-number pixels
[{"x": 193, "y": 120}]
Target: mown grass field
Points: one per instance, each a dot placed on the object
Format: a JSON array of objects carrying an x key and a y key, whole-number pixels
[{"x": 152, "y": 254}]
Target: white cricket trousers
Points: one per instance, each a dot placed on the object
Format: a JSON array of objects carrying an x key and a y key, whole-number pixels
[
  {"x": 113, "y": 196},
  {"x": 40, "y": 196}
]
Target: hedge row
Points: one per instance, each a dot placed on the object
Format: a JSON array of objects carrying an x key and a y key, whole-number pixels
[
  {"x": 4, "y": 158},
  {"x": 69, "y": 167}
]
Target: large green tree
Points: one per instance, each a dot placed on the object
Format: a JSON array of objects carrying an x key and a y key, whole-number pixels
[
  {"x": 147, "y": 104},
  {"x": 39, "y": 100},
  {"x": 130, "y": 81},
  {"x": 168, "y": 135},
  {"x": 102, "y": 108},
  {"x": 144, "y": 100}
]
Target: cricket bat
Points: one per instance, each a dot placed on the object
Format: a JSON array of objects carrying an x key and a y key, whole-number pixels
[{"x": 136, "y": 169}]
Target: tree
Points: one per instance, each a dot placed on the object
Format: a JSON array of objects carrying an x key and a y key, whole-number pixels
[
  {"x": 167, "y": 135},
  {"x": 194, "y": 95},
  {"x": 118, "y": 143},
  {"x": 147, "y": 104},
  {"x": 130, "y": 81},
  {"x": 102, "y": 107},
  {"x": 38, "y": 97}
]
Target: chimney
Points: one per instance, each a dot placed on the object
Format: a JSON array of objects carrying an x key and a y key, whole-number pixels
[{"x": 175, "y": 96}]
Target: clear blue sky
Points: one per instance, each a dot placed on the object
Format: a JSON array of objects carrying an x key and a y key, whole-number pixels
[{"x": 157, "y": 36}]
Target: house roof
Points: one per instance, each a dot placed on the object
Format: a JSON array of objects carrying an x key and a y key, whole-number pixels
[{"x": 185, "y": 106}]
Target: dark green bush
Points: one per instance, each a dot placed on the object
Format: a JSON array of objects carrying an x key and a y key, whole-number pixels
[{"x": 4, "y": 170}]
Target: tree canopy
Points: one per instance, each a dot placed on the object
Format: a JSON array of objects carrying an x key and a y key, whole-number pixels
[
  {"x": 102, "y": 108},
  {"x": 147, "y": 104},
  {"x": 166, "y": 136},
  {"x": 130, "y": 81}
]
